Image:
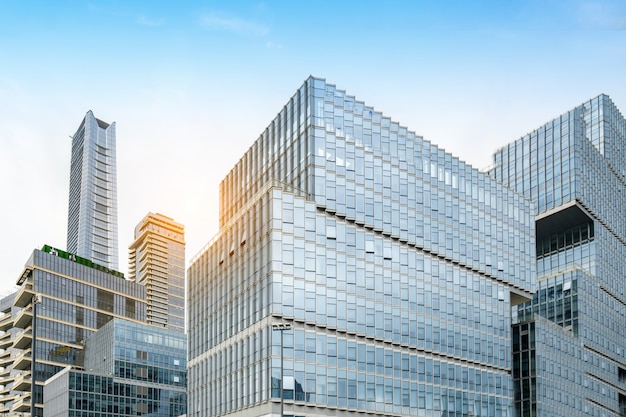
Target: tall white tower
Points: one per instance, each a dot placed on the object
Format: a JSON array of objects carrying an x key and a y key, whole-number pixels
[{"x": 92, "y": 214}]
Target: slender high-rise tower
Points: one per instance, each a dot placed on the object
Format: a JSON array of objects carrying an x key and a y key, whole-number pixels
[
  {"x": 157, "y": 260},
  {"x": 92, "y": 213}
]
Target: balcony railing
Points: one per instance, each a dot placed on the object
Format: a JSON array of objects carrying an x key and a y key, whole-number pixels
[
  {"x": 22, "y": 382},
  {"x": 24, "y": 338},
  {"x": 5, "y": 377},
  {"x": 6, "y": 322},
  {"x": 22, "y": 403},
  {"x": 24, "y": 295},
  {"x": 22, "y": 361},
  {"x": 24, "y": 318},
  {"x": 5, "y": 358},
  {"x": 5, "y": 341}
]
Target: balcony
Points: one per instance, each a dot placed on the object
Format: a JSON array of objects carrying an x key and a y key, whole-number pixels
[
  {"x": 5, "y": 377},
  {"x": 5, "y": 341},
  {"x": 5, "y": 359},
  {"x": 22, "y": 382},
  {"x": 22, "y": 361},
  {"x": 6, "y": 398},
  {"x": 25, "y": 295},
  {"x": 24, "y": 338},
  {"x": 22, "y": 403},
  {"x": 6, "y": 322},
  {"x": 24, "y": 318}
]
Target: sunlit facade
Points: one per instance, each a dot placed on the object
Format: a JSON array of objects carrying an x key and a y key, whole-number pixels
[
  {"x": 394, "y": 263},
  {"x": 573, "y": 332},
  {"x": 92, "y": 213},
  {"x": 157, "y": 261}
]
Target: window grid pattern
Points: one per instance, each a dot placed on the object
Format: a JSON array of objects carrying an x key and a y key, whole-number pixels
[
  {"x": 554, "y": 375},
  {"x": 92, "y": 216},
  {"x": 157, "y": 261},
  {"x": 358, "y": 164},
  {"x": 76, "y": 300},
  {"x": 81, "y": 394},
  {"x": 342, "y": 221},
  {"x": 139, "y": 352},
  {"x": 578, "y": 158}
]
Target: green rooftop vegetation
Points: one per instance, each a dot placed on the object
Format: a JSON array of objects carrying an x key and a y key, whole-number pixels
[{"x": 79, "y": 260}]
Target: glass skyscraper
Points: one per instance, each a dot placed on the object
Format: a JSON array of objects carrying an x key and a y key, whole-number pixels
[
  {"x": 570, "y": 340},
  {"x": 358, "y": 268},
  {"x": 92, "y": 215},
  {"x": 157, "y": 261}
]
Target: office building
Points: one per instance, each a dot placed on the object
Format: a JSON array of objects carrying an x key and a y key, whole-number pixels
[
  {"x": 76, "y": 298},
  {"x": 130, "y": 369},
  {"x": 570, "y": 339},
  {"x": 157, "y": 261},
  {"x": 92, "y": 214},
  {"x": 358, "y": 268}
]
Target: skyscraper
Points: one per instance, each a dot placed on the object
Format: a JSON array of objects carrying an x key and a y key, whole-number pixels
[
  {"x": 92, "y": 213},
  {"x": 358, "y": 268},
  {"x": 157, "y": 261},
  {"x": 570, "y": 340}
]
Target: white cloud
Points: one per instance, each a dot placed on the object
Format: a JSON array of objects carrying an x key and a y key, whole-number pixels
[
  {"x": 233, "y": 24},
  {"x": 145, "y": 21},
  {"x": 273, "y": 45},
  {"x": 603, "y": 15}
]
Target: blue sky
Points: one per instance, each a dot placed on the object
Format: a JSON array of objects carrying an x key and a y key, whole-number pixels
[{"x": 192, "y": 84}]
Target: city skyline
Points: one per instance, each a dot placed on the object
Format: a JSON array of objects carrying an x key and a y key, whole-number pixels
[{"x": 178, "y": 81}]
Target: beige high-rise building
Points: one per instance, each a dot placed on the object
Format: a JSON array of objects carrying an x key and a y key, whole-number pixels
[{"x": 157, "y": 260}]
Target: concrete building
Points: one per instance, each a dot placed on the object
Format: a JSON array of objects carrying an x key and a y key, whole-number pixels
[
  {"x": 12, "y": 399},
  {"x": 92, "y": 216},
  {"x": 358, "y": 268},
  {"x": 570, "y": 339},
  {"x": 157, "y": 261}
]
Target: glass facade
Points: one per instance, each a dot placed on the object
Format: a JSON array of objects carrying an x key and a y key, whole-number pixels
[
  {"x": 395, "y": 263},
  {"x": 574, "y": 169},
  {"x": 133, "y": 369},
  {"x": 157, "y": 261},
  {"x": 139, "y": 352},
  {"x": 552, "y": 373},
  {"x": 92, "y": 215},
  {"x": 74, "y": 393},
  {"x": 75, "y": 301}
]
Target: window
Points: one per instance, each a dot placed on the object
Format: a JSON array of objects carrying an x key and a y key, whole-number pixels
[
  {"x": 142, "y": 372},
  {"x": 331, "y": 232}
]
